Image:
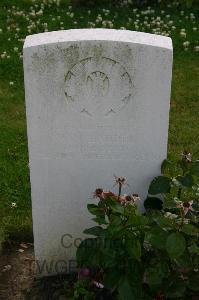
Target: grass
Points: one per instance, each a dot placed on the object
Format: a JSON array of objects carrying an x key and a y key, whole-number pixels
[{"x": 184, "y": 114}]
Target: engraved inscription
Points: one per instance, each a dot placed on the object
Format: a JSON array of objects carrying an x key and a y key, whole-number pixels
[{"x": 98, "y": 86}]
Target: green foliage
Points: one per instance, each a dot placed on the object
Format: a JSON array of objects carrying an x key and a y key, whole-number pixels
[
  {"x": 175, "y": 245},
  {"x": 160, "y": 185},
  {"x": 139, "y": 3},
  {"x": 82, "y": 290},
  {"x": 142, "y": 256}
]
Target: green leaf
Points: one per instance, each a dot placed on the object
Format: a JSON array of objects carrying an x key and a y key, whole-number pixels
[
  {"x": 133, "y": 248},
  {"x": 137, "y": 220},
  {"x": 117, "y": 207},
  {"x": 96, "y": 230},
  {"x": 153, "y": 276},
  {"x": 95, "y": 210},
  {"x": 114, "y": 231},
  {"x": 112, "y": 278},
  {"x": 125, "y": 290},
  {"x": 160, "y": 185},
  {"x": 194, "y": 282},
  {"x": 186, "y": 181},
  {"x": 87, "y": 246},
  {"x": 157, "y": 237},
  {"x": 164, "y": 222},
  {"x": 175, "y": 245},
  {"x": 184, "y": 261},
  {"x": 108, "y": 255},
  {"x": 153, "y": 203},
  {"x": 190, "y": 229},
  {"x": 194, "y": 169},
  {"x": 176, "y": 289},
  {"x": 100, "y": 220},
  {"x": 115, "y": 220},
  {"x": 194, "y": 249}
]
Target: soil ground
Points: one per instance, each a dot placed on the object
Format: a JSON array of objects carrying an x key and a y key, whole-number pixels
[
  {"x": 16, "y": 273},
  {"x": 18, "y": 281}
]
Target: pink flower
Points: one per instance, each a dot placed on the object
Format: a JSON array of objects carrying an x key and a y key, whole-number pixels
[
  {"x": 84, "y": 273},
  {"x": 102, "y": 195},
  {"x": 187, "y": 206},
  {"x": 120, "y": 180},
  {"x": 129, "y": 199},
  {"x": 186, "y": 156}
]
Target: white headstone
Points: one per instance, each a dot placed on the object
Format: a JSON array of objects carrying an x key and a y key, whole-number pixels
[{"x": 97, "y": 104}]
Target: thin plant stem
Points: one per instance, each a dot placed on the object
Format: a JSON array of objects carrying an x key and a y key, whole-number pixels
[{"x": 120, "y": 190}]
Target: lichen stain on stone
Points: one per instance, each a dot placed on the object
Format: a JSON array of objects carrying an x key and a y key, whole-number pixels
[
  {"x": 43, "y": 61},
  {"x": 70, "y": 54},
  {"x": 123, "y": 53}
]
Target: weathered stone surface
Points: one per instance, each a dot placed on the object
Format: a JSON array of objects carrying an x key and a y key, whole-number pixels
[{"x": 97, "y": 105}]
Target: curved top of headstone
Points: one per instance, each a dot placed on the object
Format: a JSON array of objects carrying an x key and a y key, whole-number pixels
[{"x": 74, "y": 35}]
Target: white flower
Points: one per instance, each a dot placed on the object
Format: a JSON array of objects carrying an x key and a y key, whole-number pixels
[
  {"x": 39, "y": 13},
  {"x": 186, "y": 44},
  {"x": 20, "y": 250},
  {"x": 98, "y": 284},
  {"x": 175, "y": 182},
  {"x": 183, "y": 34},
  {"x": 186, "y": 221},
  {"x": 12, "y": 83},
  {"x": 13, "y": 204},
  {"x": 6, "y": 268},
  {"x": 170, "y": 215}
]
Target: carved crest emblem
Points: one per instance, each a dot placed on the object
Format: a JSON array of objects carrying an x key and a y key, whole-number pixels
[{"x": 98, "y": 86}]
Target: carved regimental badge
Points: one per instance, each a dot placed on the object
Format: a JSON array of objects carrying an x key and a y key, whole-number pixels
[{"x": 98, "y": 86}]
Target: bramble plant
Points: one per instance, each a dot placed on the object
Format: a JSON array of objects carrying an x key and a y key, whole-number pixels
[{"x": 145, "y": 256}]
